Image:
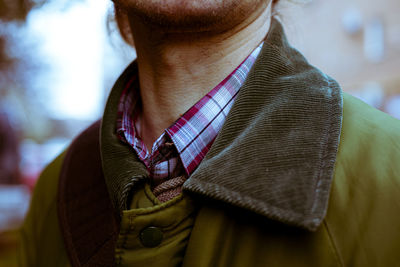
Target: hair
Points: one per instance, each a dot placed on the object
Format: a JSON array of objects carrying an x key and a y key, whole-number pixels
[{"x": 121, "y": 20}]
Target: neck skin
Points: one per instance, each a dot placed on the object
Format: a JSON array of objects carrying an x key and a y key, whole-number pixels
[{"x": 176, "y": 70}]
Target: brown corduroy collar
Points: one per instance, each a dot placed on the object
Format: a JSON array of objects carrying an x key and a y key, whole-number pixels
[{"x": 274, "y": 155}]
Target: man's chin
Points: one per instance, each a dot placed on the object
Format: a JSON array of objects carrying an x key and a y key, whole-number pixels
[
  {"x": 185, "y": 23},
  {"x": 187, "y": 16}
]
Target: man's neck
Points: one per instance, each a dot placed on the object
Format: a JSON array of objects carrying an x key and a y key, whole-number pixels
[{"x": 176, "y": 70}]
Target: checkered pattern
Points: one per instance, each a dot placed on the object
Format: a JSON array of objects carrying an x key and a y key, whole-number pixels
[{"x": 181, "y": 147}]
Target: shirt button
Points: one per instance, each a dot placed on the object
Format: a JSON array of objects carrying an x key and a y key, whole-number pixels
[{"x": 151, "y": 236}]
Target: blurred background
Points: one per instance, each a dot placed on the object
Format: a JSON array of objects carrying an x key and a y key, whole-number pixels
[
  {"x": 58, "y": 61},
  {"x": 60, "y": 58}
]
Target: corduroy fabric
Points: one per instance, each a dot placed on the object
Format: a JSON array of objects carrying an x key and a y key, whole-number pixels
[
  {"x": 288, "y": 117},
  {"x": 122, "y": 168},
  {"x": 361, "y": 227}
]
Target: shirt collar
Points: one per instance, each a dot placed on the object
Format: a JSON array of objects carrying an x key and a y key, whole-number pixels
[
  {"x": 274, "y": 155},
  {"x": 195, "y": 131}
]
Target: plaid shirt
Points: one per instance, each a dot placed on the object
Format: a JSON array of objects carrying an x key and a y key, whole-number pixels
[{"x": 181, "y": 147}]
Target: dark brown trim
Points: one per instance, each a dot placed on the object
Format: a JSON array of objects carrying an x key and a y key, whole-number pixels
[{"x": 87, "y": 219}]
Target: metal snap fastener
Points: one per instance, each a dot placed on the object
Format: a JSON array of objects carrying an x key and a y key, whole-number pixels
[{"x": 151, "y": 236}]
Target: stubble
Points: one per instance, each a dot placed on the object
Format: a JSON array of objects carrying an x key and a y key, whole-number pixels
[{"x": 190, "y": 15}]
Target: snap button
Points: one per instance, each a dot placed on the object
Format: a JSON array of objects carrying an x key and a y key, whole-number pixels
[{"x": 151, "y": 236}]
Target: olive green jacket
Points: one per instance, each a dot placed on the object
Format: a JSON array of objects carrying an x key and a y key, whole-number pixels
[{"x": 300, "y": 175}]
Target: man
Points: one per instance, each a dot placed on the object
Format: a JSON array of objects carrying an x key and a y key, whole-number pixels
[{"x": 220, "y": 146}]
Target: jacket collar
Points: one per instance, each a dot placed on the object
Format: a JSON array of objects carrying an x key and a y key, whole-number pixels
[{"x": 274, "y": 155}]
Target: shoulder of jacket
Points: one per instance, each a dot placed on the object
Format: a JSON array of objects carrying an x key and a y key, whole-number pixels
[
  {"x": 363, "y": 216},
  {"x": 357, "y": 116},
  {"x": 46, "y": 188},
  {"x": 40, "y": 232},
  {"x": 40, "y": 224},
  {"x": 45, "y": 191}
]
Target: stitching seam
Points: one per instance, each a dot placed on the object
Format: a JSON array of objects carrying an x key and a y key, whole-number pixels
[{"x": 333, "y": 245}]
